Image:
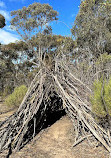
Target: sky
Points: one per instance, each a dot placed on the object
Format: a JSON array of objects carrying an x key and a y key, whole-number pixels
[{"x": 67, "y": 9}]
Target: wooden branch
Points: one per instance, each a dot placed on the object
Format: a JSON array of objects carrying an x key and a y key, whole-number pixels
[
  {"x": 93, "y": 131},
  {"x": 80, "y": 140}
]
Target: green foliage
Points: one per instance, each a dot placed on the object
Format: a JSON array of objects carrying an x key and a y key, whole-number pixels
[
  {"x": 104, "y": 58},
  {"x": 17, "y": 96},
  {"x": 96, "y": 99},
  {"x": 103, "y": 63},
  {"x": 2, "y": 21},
  {"x": 32, "y": 24},
  {"x": 30, "y": 20},
  {"x": 107, "y": 96},
  {"x": 98, "y": 105},
  {"x": 13, "y": 63},
  {"x": 92, "y": 27}
]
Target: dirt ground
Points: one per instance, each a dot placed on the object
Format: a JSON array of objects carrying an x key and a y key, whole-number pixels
[
  {"x": 5, "y": 111},
  {"x": 56, "y": 142}
]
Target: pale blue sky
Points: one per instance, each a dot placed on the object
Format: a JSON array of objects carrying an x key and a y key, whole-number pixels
[{"x": 67, "y": 9}]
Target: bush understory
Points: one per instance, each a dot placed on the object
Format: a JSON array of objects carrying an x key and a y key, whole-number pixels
[
  {"x": 16, "y": 97},
  {"x": 101, "y": 99}
]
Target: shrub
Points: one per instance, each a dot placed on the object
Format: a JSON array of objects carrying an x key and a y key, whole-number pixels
[
  {"x": 98, "y": 106},
  {"x": 17, "y": 96}
]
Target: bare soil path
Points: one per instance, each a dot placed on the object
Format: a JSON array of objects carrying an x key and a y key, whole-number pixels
[{"x": 57, "y": 141}]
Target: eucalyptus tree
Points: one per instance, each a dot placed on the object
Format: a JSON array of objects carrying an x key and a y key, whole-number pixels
[
  {"x": 33, "y": 21},
  {"x": 7, "y": 67},
  {"x": 92, "y": 27},
  {"x": 2, "y": 65},
  {"x": 12, "y": 64}
]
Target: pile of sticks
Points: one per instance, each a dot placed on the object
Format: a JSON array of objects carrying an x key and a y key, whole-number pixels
[{"x": 74, "y": 93}]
